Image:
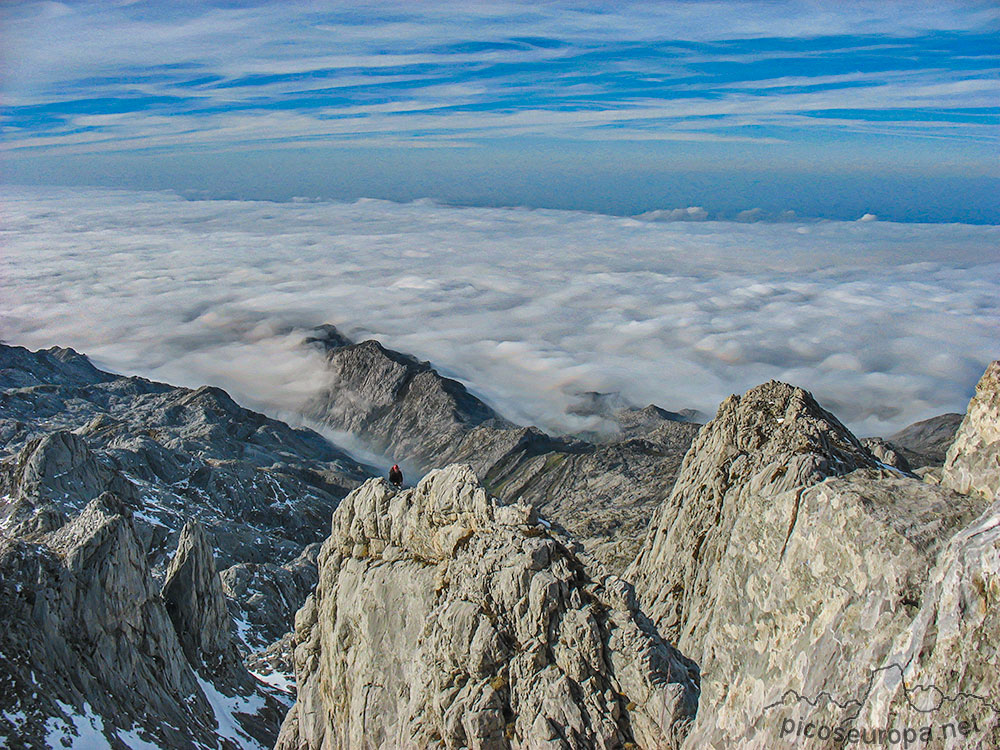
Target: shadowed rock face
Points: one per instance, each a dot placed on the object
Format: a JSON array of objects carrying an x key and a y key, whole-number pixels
[
  {"x": 397, "y": 403},
  {"x": 926, "y": 443},
  {"x": 263, "y": 597},
  {"x": 805, "y": 580},
  {"x": 192, "y": 594},
  {"x": 60, "y": 468},
  {"x": 89, "y": 649},
  {"x": 601, "y": 494},
  {"x": 445, "y": 619}
]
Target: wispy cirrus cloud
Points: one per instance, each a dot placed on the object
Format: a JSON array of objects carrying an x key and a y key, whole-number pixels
[{"x": 85, "y": 77}]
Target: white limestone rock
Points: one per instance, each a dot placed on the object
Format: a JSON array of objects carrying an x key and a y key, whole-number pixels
[
  {"x": 973, "y": 461},
  {"x": 445, "y": 620}
]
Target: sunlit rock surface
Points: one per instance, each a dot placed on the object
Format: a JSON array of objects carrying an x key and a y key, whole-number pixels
[{"x": 444, "y": 619}]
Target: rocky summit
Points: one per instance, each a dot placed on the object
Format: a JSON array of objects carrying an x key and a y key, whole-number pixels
[
  {"x": 443, "y": 618},
  {"x": 177, "y": 571},
  {"x": 813, "y": 584}
]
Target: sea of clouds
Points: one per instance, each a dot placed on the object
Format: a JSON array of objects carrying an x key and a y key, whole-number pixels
[{"x": 884, "y": 323}]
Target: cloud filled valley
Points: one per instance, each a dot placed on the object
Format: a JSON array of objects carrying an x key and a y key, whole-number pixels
[{"x": 885, "y": 323}]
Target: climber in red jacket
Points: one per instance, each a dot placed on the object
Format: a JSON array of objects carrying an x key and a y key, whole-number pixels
[{"x": 396, "y": 475}]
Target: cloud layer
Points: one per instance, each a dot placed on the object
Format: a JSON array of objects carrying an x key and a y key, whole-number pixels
[{"x": 885, "y": 323}]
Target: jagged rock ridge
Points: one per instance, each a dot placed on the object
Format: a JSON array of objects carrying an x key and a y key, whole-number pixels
[
  {"x": 91, "y": 657},
  {"x": 809, "y": 580},
  {"x": 790, "y": 561},
  {"x": 601, "y": 494},
  {"x": 102, "y": 477},
  {"x": 263, "y": 490},
  {"x": 443, "y": 619}
]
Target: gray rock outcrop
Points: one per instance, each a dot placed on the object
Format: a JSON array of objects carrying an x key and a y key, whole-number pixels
[
  {"x": 444, "y": 619},
  {"x": 192, "y": 594},
  {"x": 90, "y": 656},
  {"x": 943, "y": 669},
  {"x": 59, "y": 467},
  {"x": 973, "y": 461},
  {"x": 926, "y": 443},
  {"x": 102, "y": 478},
  {"x": 802, "y": 576},
  {"x": 395, "y": 401},
  {"x": 887, "y": 453}
]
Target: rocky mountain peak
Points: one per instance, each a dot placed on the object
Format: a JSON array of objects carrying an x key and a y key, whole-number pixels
[
  {"x": 22, "y": 368},
  {"x": 786, "y": 542},
  {"x": 400, "y": 405},
  {"x": 926, "y": 443},
  {"x": 443, "y": 616},
  {"x": 327, "y": 336},
  {"x": 192, "y": 593},
  {"x": 773, "y": 438},
  {"x": 778, "y": 421},
  {"x": 973, "y": 461},
  {"x": 51, "y": 476},
  {"x": 106, "y": 514}
]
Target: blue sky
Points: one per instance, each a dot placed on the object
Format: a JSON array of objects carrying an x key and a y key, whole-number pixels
[{"x": 825, "y": 109}]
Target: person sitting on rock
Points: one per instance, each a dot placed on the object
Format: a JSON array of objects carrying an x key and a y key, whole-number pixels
[{"x": 396, "y": 475}]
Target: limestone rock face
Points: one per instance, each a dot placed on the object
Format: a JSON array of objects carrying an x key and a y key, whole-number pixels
[
  {"x": 444, "y": 619},
  {"x": 944, "y": 667},
  {"x": 90, "y": 655},
  {"x": 973, "y": 462},
  {"x": 50, "y": 477},
  {"x": 396, "y": 401},
  {"x": 192, "y": 594},
  {"x": 796, "y": 571},
  {"x": 773, "y": 439},
  {"x": 815, "y": 612}
]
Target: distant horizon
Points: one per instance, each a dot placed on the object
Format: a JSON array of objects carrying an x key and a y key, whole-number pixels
[{"x": 650, "y": 212}]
